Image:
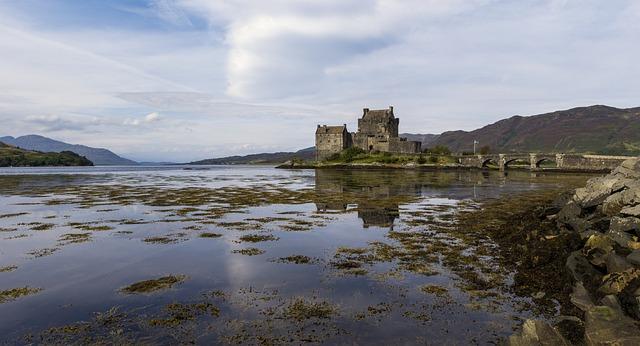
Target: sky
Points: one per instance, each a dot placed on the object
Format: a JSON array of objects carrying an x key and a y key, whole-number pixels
[{"x": 181, "y": 80}]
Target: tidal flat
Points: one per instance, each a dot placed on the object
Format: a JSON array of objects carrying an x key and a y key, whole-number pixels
[{"x": 233, "y": 255}]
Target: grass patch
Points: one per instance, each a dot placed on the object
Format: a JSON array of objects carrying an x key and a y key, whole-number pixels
[
  {"x": 154, "y": 285},
  {"x": 15, "y": 293}
]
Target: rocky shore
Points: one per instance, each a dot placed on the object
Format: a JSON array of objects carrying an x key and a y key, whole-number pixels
[{"x": 605, "y": 269}]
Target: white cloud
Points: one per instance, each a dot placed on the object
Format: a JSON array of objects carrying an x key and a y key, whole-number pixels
[{"x": 147, "y": 119}]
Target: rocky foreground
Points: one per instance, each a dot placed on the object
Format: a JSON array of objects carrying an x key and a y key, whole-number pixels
[{"x": 605, "y": 271}]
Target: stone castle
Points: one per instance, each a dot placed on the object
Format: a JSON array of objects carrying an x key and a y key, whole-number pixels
[{"x": 377, "y": 131}]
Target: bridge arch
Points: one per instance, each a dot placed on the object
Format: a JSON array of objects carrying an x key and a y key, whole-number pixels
[
  {"x": 541, "y": 160},
  {"x": 487, "y": 161},
  {"x": 511, "y": 160}
]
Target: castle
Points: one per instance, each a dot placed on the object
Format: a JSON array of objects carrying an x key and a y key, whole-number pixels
[{"x": 377, "y": 131}]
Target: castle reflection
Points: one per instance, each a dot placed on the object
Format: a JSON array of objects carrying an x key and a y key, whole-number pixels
[{"x": 376, "y": 195}]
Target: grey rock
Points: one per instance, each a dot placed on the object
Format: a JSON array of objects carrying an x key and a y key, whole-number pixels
[
  {"x": 613, "y": 204},
  {"x": 580, "y": 268},
  {"x": 596, "y": 191},
  {"x": 624, "y": 224},
  {"x": 597, "y": 249},
  {"x": 631, "y": 211},
  {"x": 623, "y": 239},
  {"x": 538, "y": 333},
  {"x": 614, "y": 283},
  {"x": 628, "y": 169},
  {"x": 605, "y": 325},
  {"x": 616, "y": 263},
  {"x": 580, "y": 297},
  {"x": 634, "y": 257},
  {"x": 611, "y": 301}
]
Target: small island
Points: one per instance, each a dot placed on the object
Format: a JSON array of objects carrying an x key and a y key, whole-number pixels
[{"x": 11, "y": 156}]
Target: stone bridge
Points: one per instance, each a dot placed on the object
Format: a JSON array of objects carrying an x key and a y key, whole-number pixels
[{"x": 535, "y": 160}]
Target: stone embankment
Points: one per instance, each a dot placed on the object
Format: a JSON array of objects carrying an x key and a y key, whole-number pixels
[{"x": 606, "y": 270}]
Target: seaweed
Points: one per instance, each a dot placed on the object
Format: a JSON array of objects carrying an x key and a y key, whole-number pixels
[
  {"x": 154, "y": 285},
  {"x": 15, "y": 293}
]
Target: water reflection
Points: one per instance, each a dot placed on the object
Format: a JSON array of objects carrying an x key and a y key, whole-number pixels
[{"x": 374, "y": 194}]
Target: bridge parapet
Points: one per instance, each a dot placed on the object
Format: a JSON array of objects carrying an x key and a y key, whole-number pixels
[{"x": 562, "y": 161}]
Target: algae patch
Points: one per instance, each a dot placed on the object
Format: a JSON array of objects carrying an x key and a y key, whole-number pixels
[
  {"x": 15, "y": 293},
  {"x": 8, "y": 269},
  {"x": 252, "y": 251},
  {"x": 300, "y": 310},
  {"x": 210, "y": 235},
  {"x": 154, "y": 285},
  {"x": 256, "y": 238}
]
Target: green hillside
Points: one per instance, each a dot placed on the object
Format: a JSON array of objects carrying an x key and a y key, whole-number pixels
[
  {"x": 595, "y": 129},
  {"x": 15, "y": 157}
]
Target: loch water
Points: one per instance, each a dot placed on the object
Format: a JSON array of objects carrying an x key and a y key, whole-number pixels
[{"x": 258, "y": 255}]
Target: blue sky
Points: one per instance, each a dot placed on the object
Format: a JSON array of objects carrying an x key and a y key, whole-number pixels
[{"x": 189, "y": 79}]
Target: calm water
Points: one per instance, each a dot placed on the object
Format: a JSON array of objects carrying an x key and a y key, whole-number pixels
[{"x": 265, "y": 256}]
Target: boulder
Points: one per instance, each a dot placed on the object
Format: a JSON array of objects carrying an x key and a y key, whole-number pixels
[
  {"x": 606, "y": 325},
  {"x": 596, "y": 191},
  {"x": 624, "y": 224},
  {"x": 580, "y": 297},
  {"x": 623, "y": 239},
  {"x": 634, "y": 257},
  {"x": 597, "y": 249},
  {"x": 628, "y": 169},
  {"x": 616, "y": 263},
  {"x": 538, "y": 333},
  {"x": 581, "y": 270},
  {"x": 631, "y": 211},
  {"x": 613, "y": 204},
  {"x": 614, "y": 283}
]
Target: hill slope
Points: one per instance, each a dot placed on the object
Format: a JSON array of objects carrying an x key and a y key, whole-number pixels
[
  {"x": 595, "y": 129},
  {"x": 15, "y": 157},
  {"x": 265, "y": 158},
  {"x": 98, "y": 156}
]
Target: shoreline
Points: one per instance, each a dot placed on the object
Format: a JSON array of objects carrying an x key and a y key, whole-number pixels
[{"x": 426, "y": 167}]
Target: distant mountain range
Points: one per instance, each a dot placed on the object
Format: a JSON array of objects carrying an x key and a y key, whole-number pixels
[
  {"x": 594, "y": 129},
  {"x": 264, "y": 158},
  {"x": 98, "y": 156}
]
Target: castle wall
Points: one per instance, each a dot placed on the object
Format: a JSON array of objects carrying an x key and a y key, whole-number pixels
[
  {"x": 330, "y": 143},
  {"x": 401, "y": 145}
]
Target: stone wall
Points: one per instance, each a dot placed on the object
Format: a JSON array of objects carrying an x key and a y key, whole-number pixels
[
  {"x": 402, "y": 145},
  {"x": 331, "y": 140}
]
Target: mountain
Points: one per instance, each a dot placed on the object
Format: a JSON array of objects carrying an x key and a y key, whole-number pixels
[
  {"x": 264, "y": 158},
  {"x": 595, "y": 129},
  {"x": 426, "y": 139},
  {"x": 98, "y": 156},
  {"x": 11, "y": 156}
]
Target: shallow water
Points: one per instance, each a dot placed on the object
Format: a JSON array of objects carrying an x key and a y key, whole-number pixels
[{"x": 267, "y": 256}]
